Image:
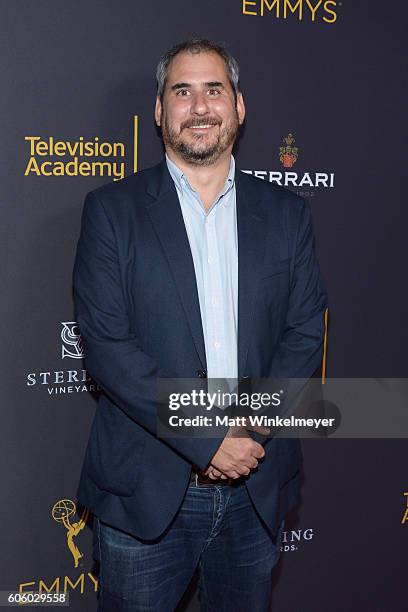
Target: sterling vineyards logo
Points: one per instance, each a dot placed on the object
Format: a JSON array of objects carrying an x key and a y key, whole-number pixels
[
  {"x": 65, "y": 382},
  {"x": 291, "y": 540},
  {"x": 302, "y": 183},
  {"x": 71, "y": 340}
]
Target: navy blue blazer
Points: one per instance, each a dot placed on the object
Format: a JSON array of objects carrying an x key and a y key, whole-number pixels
[{"x": 136, "y": 304}]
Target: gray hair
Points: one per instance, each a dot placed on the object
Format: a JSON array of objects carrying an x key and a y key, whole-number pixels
[{"x": 197, "y": 45}]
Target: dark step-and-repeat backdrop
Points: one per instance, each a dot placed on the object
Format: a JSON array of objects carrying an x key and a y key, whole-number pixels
[{"x": 323, "y": 85}]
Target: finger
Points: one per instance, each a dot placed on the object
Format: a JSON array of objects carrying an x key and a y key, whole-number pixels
[
  {"x": 220, "y": 474},
  {"x": 216, "y": 472},
  {"x": 244, "y": 470},
  {"x": 258, "y": 451}
]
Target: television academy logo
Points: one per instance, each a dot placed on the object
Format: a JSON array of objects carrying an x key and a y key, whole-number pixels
[
  {"x": 288, "y": 157},
  {"x": 65, "y": 382},
  {"x": 405, "y": 515},
  {"x": 64, "y": 512},
  {"x": 291, "y": 540},
  {"x": 52, "y": 156}
]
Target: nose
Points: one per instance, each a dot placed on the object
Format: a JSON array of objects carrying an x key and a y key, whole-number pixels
[{"x": 200, "y": 104}]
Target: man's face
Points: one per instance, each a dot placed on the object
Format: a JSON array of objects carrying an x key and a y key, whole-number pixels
[{"x": 199, "y": 116}]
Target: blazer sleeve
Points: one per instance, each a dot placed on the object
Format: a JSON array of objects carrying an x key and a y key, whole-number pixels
[
  {"x": 300, "y": 350},
  {"x": 113, "y": 354}
]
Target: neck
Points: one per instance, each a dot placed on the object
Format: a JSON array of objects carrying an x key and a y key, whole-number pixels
[{"x": 206, "y": 180}]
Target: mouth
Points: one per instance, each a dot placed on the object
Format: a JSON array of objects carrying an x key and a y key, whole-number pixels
[{"x": 202, "y": 128}]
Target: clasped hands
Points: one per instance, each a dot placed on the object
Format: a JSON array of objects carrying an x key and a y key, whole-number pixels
[{"x": 238, "y": 453}]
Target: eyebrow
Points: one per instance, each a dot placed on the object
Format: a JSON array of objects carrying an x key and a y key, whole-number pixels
[{"x": 178, "y": 86}]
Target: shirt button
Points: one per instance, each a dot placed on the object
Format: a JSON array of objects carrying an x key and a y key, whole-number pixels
[
  {"x": 215, "y": 301},
  {"x": 217, "y": 344},
  {"x": 210, "y": 259}
]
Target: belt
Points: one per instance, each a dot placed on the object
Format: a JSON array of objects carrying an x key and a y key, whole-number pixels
[{"x": 200, "y": 480}]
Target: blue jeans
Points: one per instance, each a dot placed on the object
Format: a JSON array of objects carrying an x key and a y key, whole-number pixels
[{"x": 216, "y": 529}]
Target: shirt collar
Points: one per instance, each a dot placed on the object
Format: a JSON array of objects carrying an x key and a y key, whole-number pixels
[{"x": 181, "y": 180}]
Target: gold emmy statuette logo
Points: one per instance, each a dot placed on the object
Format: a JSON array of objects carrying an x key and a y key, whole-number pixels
[
  {"x": 405, "y": 517},
  {"x": 61, "y": 512},
  {"x": 288, "y": 154}
]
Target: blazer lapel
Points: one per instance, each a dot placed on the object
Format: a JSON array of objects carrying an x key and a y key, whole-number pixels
[
  {"x": 251, "y": 224},
  {"x": 168, "y": 222},
  {"x": 167, "y": 219}
]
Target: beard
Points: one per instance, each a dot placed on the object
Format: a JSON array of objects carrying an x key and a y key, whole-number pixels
[{"x": 200, "y": 149}]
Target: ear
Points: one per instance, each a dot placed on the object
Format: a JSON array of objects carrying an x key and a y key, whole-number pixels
[
  {"x": 158, "y": 111},
  {"x": 240, "y": 108}
]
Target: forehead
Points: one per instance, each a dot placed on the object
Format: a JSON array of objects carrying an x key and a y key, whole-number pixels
[{"x": 197, "y": 68}]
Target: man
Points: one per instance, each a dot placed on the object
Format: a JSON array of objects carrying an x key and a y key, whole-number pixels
[{"x": 192, "y": 269}]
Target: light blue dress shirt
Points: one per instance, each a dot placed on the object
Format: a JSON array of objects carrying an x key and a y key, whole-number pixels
[{"x": 212, "y": 235}]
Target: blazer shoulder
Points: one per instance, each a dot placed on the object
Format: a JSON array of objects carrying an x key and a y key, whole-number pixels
[
  {"x": 132, "y": 188},
  {"x": 272, "y": 194}
]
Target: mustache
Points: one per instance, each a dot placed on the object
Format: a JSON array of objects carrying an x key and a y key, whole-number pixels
[{"x": 199, "y": 122}]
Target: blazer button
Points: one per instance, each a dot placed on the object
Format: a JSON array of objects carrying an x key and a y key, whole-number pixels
[{"x": 202, "y": 373}]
